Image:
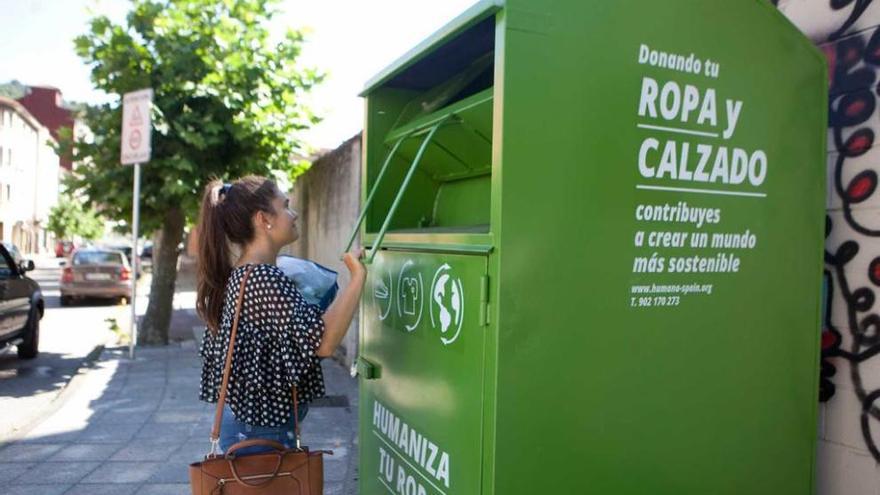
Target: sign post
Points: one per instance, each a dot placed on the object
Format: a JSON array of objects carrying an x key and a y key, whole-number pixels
[{"x": 135, "y": 151}]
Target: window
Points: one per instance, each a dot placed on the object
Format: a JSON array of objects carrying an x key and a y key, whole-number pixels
[
  {"x": 13, "y": 251},
  {"x": 97, "y": 258},
  {"x": 1, "y": 149},
  {"x": 6, "y": 270},
  {"x": 8, "y": 192}
]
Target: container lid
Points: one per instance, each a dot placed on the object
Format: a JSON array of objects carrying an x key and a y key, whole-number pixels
[{"x": 472, "y": 16}]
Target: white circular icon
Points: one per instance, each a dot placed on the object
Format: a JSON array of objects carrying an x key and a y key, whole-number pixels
[{"x": 447, "y": 303}]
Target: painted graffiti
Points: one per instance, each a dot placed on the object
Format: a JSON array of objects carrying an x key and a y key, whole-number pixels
[
  {"x": 854, "y": 64},
  {"x": 858, "y": 8}
]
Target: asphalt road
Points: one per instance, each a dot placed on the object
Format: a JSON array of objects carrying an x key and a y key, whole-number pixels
[{"x": 67, "y": 337}]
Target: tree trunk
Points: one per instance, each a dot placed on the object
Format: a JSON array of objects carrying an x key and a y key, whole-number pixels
[{"x": 153, "y": 328}]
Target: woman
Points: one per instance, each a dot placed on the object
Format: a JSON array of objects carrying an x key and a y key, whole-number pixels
[{"x": 280, "y": 337}]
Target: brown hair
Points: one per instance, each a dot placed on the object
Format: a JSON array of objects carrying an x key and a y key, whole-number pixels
[{"x": 226, "y": 217}]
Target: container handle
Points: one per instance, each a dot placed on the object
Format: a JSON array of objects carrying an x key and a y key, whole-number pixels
[
  {"x": 363, "y": 215},
  {"x": 409, "y": 175}
]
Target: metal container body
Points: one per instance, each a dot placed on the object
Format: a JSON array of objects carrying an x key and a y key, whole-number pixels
[{"x": 598, "y": 265}]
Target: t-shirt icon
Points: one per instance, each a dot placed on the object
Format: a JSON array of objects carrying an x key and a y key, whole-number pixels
[{"x": 409, "y": 293}]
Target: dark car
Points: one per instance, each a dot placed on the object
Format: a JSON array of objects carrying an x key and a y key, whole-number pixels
[
  {"x": 13, "y": 251},
  {"x": 147, "y": 256},
  {"x": 21, "y": 305}
]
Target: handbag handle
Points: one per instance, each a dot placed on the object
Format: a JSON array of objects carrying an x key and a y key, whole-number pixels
[
  {"x": 253, "y": 442},
  {"x": 227, "y": 369},
  {"x": 267, "y": 478}
]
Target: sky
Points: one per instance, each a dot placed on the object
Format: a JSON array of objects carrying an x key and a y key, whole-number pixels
[{"x": 350, "y": 40}]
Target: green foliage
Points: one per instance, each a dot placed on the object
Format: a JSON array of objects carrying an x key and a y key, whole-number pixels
[
  {"x": 227, "y": 102},
  {"x": 13, "y": 89},
  {"x": 70, "y": 218}
]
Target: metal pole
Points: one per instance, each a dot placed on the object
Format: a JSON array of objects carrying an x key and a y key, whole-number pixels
[{"x": 135, "y": 225}]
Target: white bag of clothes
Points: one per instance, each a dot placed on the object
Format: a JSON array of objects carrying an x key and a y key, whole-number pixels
[{"x": 316, "y": 283}]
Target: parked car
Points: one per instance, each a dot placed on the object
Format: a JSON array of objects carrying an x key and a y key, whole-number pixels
[
  {"x": 147, "y": 257},
  {"x": 124, "y": 248},
  {"x": 63, "y": 248},
  {"x": 13, "y": 251},
  {"x": 96, "y": 272},
  {"x": 21, "y": 305}
]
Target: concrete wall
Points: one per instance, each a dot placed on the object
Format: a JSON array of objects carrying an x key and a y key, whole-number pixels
[
  {"x": 849, "y": 433},
  {"x": 327, "y": 198}
]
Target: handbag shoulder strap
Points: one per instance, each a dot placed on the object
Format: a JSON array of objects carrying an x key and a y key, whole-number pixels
[{"x": 227, "y": 367}]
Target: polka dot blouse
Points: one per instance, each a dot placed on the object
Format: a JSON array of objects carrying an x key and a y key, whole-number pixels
[{"x": 278, "y": 335}]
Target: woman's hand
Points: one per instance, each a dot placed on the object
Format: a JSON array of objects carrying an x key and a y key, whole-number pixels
[
  {"x": 354, "y": 264},
  {"x": 337, "y": 318}
]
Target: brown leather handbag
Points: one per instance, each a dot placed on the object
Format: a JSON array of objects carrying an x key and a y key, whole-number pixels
[{"x": 285, "y": 471}]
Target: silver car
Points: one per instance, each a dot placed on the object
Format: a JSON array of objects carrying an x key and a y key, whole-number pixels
[{"x": 96, "y": 272}]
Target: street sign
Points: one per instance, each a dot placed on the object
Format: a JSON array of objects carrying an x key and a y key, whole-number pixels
[
  {"x": 136, "y": 126},
  {"x": 135, "y": 151}
]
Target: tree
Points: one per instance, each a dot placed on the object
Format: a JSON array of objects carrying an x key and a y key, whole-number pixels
[
  {"x": 70, "y": 218},
  {"x": 13, "y": 89},
  {"x": 228, "y": 102}
]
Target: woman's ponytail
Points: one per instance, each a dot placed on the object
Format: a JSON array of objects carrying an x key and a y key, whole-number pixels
[{"x": 214, "y": 263}]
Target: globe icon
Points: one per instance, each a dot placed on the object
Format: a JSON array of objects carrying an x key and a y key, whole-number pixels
[{"x": 447, "y": 304}]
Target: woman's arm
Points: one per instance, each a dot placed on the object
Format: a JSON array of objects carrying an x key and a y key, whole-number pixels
[{"x": 338, "y": 316}]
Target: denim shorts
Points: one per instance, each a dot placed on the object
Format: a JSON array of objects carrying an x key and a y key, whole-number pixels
[{"x": 233, "y": 431}]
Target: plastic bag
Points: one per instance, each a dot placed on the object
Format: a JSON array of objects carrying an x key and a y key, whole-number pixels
[{"x": 316, "y": 283}]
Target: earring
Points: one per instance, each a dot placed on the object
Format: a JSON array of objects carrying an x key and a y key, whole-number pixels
[{"x": 269, "y": 227}]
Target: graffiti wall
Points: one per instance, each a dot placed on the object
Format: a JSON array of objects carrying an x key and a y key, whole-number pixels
[{"x": 848, "y": 33}]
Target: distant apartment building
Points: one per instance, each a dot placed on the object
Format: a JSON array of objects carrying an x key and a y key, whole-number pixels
[
  {"x": 29, "y": 178},
  {"x": 46, "y": 105}
]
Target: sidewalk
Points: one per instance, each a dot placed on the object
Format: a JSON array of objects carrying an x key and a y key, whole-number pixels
[{"x": 133, "y": 426}]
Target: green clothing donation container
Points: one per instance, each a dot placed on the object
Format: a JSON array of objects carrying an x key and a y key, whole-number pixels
[{"x": 595, "y": 234}]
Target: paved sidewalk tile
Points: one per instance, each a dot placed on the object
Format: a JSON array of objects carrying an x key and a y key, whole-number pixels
[
  {"x": 22, "y": 452},
  {"x": 104, "y": 489},
  {"x": 86, "y": 452},
  {"x": 55, "y": 473},
  {"x": 123, "y": 472},
  {"x": 145, "y": 452},
  {"x": 11, "y": 470},
  {"x": 30, "y": 490},
  {"x": 171, "y": 472},
  {"x": 165, "y": 489}
]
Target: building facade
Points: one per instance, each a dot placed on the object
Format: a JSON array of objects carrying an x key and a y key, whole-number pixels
[
  {"x": 29, "y": 179},
  {"x": 45, "y": 103}
]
